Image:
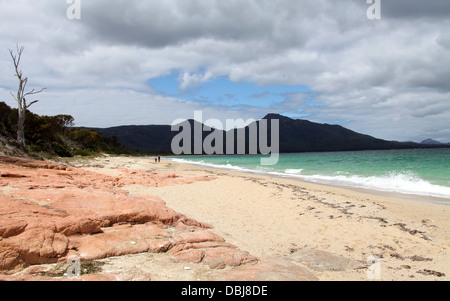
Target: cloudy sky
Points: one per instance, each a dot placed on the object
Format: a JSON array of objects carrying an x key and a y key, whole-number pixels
[{"x": 152, "y": 62}]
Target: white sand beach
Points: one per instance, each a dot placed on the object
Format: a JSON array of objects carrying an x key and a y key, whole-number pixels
[{"x": 269, "y": 216}]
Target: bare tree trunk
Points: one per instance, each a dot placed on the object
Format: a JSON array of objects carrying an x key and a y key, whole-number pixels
[
  {"x": 20, "y": 98},
  {"x": 21, "y": 127}
]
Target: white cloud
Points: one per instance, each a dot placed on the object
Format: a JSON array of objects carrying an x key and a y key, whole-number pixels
[
  {"x": 387, "y": 78},
  {"x": 192, "y": 81}
]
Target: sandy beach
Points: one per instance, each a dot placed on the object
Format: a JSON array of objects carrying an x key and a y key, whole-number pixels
[{"x": 386, "y": 238}]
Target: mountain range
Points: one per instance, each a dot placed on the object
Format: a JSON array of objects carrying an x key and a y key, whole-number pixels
[
  {"x": 295, "y": 135},
  {"x": 433, "y": 142}
]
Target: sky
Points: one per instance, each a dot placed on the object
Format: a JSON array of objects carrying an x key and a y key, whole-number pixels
[{"x": 128, "y": 62}]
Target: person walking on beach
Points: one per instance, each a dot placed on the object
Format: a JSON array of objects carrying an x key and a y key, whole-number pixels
[{"x": 159, "y": 159}]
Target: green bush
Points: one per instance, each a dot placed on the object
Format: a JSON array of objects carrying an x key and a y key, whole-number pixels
[
  {"x": 56, "y": 135},
  {"x": 61, "y": 150},
  {"x": 83, "y": 152},
  {"x": 41, "y": 146}
]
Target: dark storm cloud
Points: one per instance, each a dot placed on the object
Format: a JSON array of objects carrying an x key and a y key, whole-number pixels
[
  {"x": 416, "y": 8},
  {"x": 164, "y": 23}
]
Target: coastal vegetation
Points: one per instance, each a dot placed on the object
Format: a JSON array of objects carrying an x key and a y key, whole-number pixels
[{"x": 55, "y": 135}]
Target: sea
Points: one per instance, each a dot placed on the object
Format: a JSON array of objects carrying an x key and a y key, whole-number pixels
[{"x": 419, "y": 172}]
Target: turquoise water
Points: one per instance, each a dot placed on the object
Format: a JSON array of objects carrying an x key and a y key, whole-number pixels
[{"x": 418, "y": 171}]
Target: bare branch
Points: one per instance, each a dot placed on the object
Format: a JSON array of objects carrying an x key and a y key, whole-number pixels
[
  {"x": 16, "y": 60},
  {"x": 22, "y": 85},
  {"x": 15, "y": 98},
  {"x": 31, "y": 103},
  {"x": 19, "y": 52},
  {"x": 32, "y": 92},
  {"x": 26, "y": 106}
]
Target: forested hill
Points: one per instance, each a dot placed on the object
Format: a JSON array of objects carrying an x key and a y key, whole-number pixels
[
  {"x": 295, "y": 135},
  {"x": 53, "y": 136}
]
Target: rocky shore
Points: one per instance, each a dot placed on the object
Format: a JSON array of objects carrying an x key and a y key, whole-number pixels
[
  {"x": 128, "y": 218},
  {"x": 54, "y": 216}
]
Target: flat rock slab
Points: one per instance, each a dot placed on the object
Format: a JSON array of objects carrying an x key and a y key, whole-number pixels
[
  {"x": 322, "y": 261},
  {"x": 274, "y": 268}
]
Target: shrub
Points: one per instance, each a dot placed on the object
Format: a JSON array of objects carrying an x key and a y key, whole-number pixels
[{"x": 61, "y": 150}]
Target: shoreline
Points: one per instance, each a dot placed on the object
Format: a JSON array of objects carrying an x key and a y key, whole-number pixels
[
  {"x": 139, "y": 219},
  {"x": 386, "y": 193},
  {"x": 277, "y": 216}
]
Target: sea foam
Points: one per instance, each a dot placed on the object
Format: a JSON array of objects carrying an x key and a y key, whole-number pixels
[
  {"x": 392, "y": 182},
  {"x": 402, "y": 182}
]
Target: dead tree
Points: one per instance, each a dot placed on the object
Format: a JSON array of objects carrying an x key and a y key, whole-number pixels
[{"x": 21, "y": 94}]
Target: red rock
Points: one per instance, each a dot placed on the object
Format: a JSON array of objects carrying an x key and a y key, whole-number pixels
[
  {"x": 37, "y": 246},
  {"x": 197, "y": 237},
  {"x": 55, "y": 211},
  {"x": 27, "y": 278},
  {"x": 11, "y": 175},
  {"x": 202, "y": 245},
  {"x": 24, "y": 162},
  {"x": 11, "y": 227},
  {"x": 219, "y": 258},
  {"x": 71, "y": 226},
  {"x": 9, "y": 259},
  {"x": 191, "y": 255},
  {"x": 217, "y": 255},
  {"x": 121, "y": 241},
  {"x": 87, "y": 277}
]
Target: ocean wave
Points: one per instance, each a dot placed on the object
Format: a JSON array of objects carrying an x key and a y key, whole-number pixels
[
  {"x": 221, "y": 166},
  {"x": 402, "y": 182},
  {"x": 407, "y": 183},
  {"x": 293, "y": 171}
]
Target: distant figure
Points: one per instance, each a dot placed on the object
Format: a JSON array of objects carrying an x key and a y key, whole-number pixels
[
  {"x": 156, "y": 159},
  {"x": 159, "y": 159}
]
